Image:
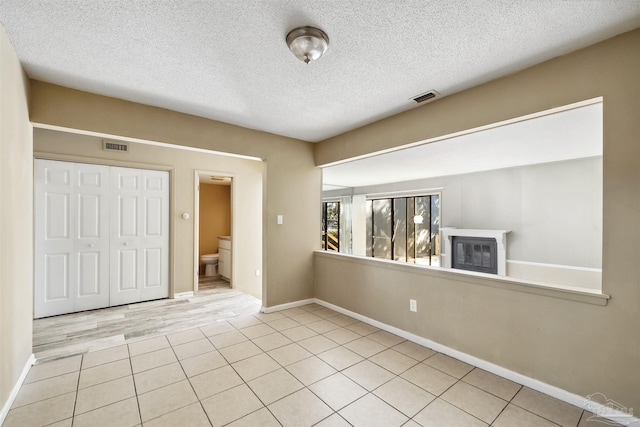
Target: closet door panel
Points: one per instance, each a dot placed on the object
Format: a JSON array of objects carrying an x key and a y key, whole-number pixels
[
  {"x": 91, "y": 246},
  {"x": 89, "y": 274},
  {"x": 155, "y": 241},
  {"x": 126, "y": 199},
  {"x": 127, "y": 216},
  {"x": 127, "y": 268},
  {"x": 53, "y": 251},
  {"x": 71, "y": 237},
  {"x": 153, "y": 267},
  {"x": 57, "y": 285}
]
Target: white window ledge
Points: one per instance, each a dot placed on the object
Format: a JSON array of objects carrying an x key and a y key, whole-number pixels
[{"x": 502, "y": 282}]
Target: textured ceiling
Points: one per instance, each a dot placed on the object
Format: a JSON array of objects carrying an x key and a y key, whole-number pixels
[{"x": 227, "y": 60}]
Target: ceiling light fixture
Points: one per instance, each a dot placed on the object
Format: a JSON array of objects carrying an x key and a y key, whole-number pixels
[{"x": 307, "y": 43}]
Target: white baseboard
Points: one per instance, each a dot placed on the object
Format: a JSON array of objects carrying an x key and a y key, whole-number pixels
[
  {"x": 604, "y": 410},
  {"x": 183, "y": 295},
  {"x": 16, "y": 388},
  {"x": 293, "y": 304}
]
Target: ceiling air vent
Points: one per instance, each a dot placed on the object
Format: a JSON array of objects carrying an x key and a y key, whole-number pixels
[
  {"x": 115, "y": 146},
  {"x": 426, "y": 96}
]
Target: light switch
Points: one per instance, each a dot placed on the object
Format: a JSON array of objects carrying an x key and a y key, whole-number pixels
[{"x": 279, "y": 219}]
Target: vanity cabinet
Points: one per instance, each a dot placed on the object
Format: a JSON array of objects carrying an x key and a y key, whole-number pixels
[{"x": 224, "y": 257}]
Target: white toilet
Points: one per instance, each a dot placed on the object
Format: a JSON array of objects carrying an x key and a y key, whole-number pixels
[{"x": 211, "y": 264}]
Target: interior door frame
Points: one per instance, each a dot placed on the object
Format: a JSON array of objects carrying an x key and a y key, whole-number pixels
[
  {"x": 125, "y": 164},
  {"x": 196, "y": 221}
]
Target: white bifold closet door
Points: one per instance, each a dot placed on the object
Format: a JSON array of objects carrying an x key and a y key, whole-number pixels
[
  {"x": 101, "y": 236},
  {"x": 139, "y": 235},
  {"x": 71, "y": 209}
]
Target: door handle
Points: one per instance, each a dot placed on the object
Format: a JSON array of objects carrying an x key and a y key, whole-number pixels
[
  {"x": 91, "y": 245},
  {"x": 126, "y": 243}
]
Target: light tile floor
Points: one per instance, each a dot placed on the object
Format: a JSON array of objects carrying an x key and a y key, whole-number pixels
[{"x": 299, "y": 367}]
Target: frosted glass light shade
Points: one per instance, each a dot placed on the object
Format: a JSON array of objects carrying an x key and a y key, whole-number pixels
[{"x": 307, "y": 43}]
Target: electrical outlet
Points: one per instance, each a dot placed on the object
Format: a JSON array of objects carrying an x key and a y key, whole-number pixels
[
  {"x": 280, "y": 220},
  {"x": 413, "y": 305},
  {"x": 257, "y": 273}
]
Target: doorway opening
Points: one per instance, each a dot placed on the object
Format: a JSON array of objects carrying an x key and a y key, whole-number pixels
[{"x": 213, "y": 220}]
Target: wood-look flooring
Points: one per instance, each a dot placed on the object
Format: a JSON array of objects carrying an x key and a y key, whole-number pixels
[{"x": 77, "y": 333}]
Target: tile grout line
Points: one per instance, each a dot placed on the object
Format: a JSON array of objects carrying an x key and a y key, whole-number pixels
[
  {"x": 280, "y": 367},
  {"x": 349, "y": 378},
  {"x": 75, "y": 401},
  {"x": 399, "y": 376},
  {"x": 368, "y": 392},
  {"x": 396, "y": 376},
  {"x": 135, "y": 387},
  {"x": 509, "y": 402},
  {"x": 246, "y": 384},
  {"x": 166, "y": 364},
  {"x": 206, "y": 414},
  {"x": 158, "y": 388},
  {"x": 304, "y": 386},
  {"x": 538, "y": 415}
]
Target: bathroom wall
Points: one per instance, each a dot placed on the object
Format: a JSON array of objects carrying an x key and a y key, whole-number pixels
[{"x": 215, "y": 216}]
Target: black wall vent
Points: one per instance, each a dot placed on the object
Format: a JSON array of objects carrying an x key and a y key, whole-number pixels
[
  {"x": 426, "y": 96},
  {"x": 115, "y": 146}
]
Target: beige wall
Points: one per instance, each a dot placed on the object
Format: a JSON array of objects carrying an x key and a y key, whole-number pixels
[
  {"x": 578, "y": 347},
  {"x": 291, "y": 182},
  {"x": 16, "y": 220},
  {"x": 215, "y": 216},
  {"x": 182, "y": 164}
]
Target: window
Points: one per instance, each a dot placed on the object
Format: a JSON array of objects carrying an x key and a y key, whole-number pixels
[
  {"x": 404, "y": 229},
  {"x": 331, "y": 226}
]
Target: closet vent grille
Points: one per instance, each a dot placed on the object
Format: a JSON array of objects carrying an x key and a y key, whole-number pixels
[{"x": 115, "y": 146}]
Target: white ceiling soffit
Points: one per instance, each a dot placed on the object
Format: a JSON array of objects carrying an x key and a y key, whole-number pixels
[
  {"x": 227, "y": 60},
  {"x": 570, "y": 134}
]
